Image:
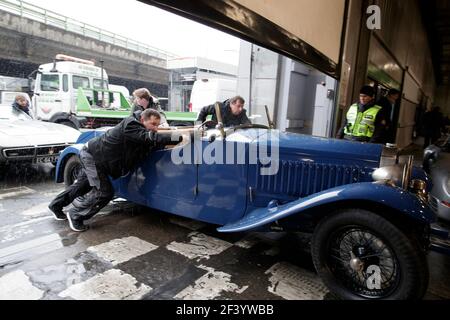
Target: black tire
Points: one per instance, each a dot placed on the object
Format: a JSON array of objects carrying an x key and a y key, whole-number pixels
[
  {"x": 400, "y": 258},
  {"x": 69, "y": 124},
  {"x": 71, "y": 170}
]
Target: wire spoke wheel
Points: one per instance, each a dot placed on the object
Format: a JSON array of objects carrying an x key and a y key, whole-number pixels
[
  {"x": 363, "y": 262},
  {"x": 360, "y": 254}
]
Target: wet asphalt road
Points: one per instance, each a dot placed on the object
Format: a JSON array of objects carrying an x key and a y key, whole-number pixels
[{"x": 132, "y": 252}]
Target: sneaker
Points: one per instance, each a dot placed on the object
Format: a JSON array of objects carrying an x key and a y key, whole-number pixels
[
  {"x": 58, "y": 214},
  {"x": 76, "y": 225}
]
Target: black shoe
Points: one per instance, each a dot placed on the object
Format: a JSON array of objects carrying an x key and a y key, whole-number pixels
[
  {"x": 76, "y": 225},
  {"x": 58, "y": 214}
]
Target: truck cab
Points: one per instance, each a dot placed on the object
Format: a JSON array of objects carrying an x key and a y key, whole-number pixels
[{"x": 56, "y": 87}]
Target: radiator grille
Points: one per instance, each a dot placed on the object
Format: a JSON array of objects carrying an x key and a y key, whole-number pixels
[{"x": 301, "y": 179}]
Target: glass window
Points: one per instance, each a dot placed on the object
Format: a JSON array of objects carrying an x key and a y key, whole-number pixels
[
  {"x": 50, "y": 82},
  {"x": 82, "y": 82},
  {"x": 65, "y": 83},
  {"x": 98, "y": 84}
]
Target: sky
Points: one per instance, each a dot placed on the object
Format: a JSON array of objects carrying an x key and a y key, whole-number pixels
[{"x": 150, "y": 25}]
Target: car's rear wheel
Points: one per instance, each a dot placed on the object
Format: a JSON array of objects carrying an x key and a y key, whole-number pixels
[{"x": 361, "y": 255}]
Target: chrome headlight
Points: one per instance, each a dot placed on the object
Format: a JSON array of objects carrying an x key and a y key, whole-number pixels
[
  {"x": 391, "y": 175},
  {"x": 398, "y": 174}
]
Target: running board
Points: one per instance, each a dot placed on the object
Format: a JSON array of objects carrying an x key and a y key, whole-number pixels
[{"x": 440, "y": 239}]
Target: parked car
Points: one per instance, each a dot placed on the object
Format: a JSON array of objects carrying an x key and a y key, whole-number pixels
[
  {"x": 365, "y": 206},
  {"x": 436, "y": 161},
  {"x": 23, "y": 139}
]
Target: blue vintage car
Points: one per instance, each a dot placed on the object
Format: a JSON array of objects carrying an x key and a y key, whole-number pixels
[{"x": 366, "y": 207}]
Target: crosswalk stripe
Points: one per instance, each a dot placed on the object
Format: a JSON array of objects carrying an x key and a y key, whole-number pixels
[
  {"x": 293, "y": 283},
  {"x": 200, "y": 246},
  {"x": 113, "y": 284},
  {"x": 17, "y": 286},
  {"x": 210, "y": 286},
  {"x": 121, "y": 250}
]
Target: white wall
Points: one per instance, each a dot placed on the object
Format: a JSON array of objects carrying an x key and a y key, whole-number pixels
[
  {"x": 317, "y": 22},
  {"x": 295, "y": 94}
]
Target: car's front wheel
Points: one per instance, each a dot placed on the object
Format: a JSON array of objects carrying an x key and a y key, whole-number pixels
[
  {"x": 71, "y": 170},
  {"x": 361, "y": 255}
]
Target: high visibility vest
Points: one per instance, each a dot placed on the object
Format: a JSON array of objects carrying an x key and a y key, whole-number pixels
[{"x": 361, "y": 124}]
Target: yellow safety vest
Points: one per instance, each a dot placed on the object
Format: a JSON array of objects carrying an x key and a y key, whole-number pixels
[{"x": 361, "y": 124}]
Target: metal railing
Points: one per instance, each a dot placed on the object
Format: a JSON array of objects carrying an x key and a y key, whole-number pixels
[{"x": 50, "y": 18}]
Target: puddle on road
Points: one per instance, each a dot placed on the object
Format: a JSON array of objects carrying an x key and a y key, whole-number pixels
[
  {"x": 56, "y": 278},
  {"x": 68, "y": 237}
]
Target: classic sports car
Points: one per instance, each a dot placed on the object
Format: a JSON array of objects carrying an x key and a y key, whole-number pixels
[
  {"x": 366, "y": 208},
  {"x": 436, "y": 161},
  {"x": 24, "y": 139}
]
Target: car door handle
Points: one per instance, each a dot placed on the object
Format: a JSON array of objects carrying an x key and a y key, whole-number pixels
[{"x": 58, "y": 100}]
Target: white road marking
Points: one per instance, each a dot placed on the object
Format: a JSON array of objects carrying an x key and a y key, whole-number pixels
[
  {"x": 293, "y": 283},
  {"x": 13, "y": 232},
  {"x": 16, "y": 233},
  {"x": 37, "y": 210},
  {"x": 210, "y": 286},
  {"x": 111, "y": 285},
  {"x": 31, "y": 244},
  {"x": 14, "y": 192},
  {"x": 25, "y": 223},
  {"x": 200, "y": 246},
  {"x": 17, "y": 286},
  {"x": 50, "y": 193},
  {"x": 121, "y": 250}
]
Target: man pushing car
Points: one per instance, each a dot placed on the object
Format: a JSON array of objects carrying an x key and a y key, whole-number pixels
[{"x": 113, "y": 154}]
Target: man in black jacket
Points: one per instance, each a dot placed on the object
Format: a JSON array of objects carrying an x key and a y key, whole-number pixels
[
  {"x": 232, "y": 110},
  {"x": 387, "y": 104},
  {"x": 113, "y": 154},
  {"x": 433, "y": 123}
]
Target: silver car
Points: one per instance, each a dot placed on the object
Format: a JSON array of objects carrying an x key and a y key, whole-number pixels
[
  {"x": 23, "y": 139},
  {"x": 437, "y": 163}
]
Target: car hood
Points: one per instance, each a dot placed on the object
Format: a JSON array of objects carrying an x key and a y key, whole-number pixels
[
  {"x": 304, "y": 145},
  {"x": 24, "y": 133}
]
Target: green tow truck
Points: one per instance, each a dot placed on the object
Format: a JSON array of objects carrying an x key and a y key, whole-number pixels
[{"x": 92, "y": 112}]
